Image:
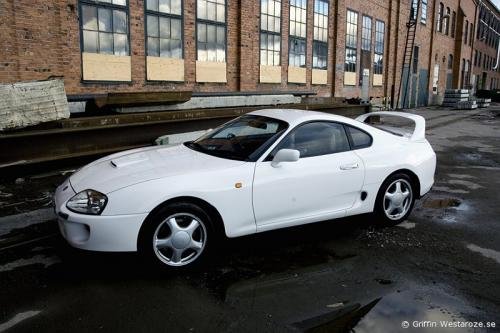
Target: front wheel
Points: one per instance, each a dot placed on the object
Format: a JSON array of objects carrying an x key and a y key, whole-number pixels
[
  {"x": 177, "y": 237},
  {"x": 395, "y": 200}
]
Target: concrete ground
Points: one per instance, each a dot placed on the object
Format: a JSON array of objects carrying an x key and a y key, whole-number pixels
[{"x": 441, "y": 266}]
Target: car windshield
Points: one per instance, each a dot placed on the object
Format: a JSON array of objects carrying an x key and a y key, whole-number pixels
[{"x": 243, "y": 139}]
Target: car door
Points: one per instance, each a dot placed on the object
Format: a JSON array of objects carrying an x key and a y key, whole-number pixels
[{"x": 324, "y": 182}]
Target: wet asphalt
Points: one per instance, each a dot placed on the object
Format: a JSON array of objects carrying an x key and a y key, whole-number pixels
[{"x": 442, "y": 265}]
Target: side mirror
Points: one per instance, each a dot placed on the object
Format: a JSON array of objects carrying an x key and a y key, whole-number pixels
[{"x": 285, "y": 155}]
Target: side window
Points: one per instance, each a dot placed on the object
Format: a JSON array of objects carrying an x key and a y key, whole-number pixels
[
  {"x": 359, "y": 138},
  {"x": 315, "y": 139}
]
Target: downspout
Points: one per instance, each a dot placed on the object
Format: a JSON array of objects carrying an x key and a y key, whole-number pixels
[
  {"x": 498, "y": 55},
  {"x": 396, "y": 43},
  {"x": 431, "y": 69}
]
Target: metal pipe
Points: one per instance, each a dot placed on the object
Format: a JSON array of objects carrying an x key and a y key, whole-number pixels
[{"x": 498, "y": 55}]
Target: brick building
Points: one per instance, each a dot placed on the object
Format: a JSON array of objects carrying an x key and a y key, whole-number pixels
[{"x": 322, "y": 46}]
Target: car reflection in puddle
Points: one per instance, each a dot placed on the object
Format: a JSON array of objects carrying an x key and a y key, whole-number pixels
[{"x": 413, "y": 312}]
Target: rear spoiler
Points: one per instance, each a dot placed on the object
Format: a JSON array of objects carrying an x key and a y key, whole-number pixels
[{"x": 419, "y": 131}]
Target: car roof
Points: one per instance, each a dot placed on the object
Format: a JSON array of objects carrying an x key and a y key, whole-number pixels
[{"x": 295, "y": 116}]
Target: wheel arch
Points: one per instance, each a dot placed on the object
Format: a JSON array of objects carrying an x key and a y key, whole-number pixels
[
  {"x": 210, "y": 209},
  {"x": 415, "y": 181}
]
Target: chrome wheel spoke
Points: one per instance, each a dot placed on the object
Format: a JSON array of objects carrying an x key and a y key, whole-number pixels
[
  {"x": 398, "y": 187},
  {"x": 406, "y": 193},
  {"x": 163, "y": 243},
  {"x": 195, "y": 245},
  {"x": 397, "y": 199},
  {"x": 192, "y": 227},
  {"x": 176, "y": 255},
  {"x": 173, "y": 225}
]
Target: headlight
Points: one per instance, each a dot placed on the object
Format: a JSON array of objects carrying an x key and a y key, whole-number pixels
[{"x": 87, "y": 202}]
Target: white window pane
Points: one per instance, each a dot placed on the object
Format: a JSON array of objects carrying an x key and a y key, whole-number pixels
[
  {"x": 263, "y": 41},
  {"x": 221, "y": 13},
  {"x": 263, "y": 23},
  {"x": 176, "y": 49},
  {"x": 105, "y": 43},
  {"x": 176, "y": 30},
  {"x": 164, "y": 6},
  {"x": 121, "y": 45},
  {"x": 211, "y": 34},
  {"x": 104, "y": 16},
  {"x": 202, "y": 55},
  {"x": 202, "y": 33},
  {"x": 176, "y": 7},
  {"x": 152, "y": 5},
  {"x": 152, "y": 26},
  {"x": 164, "y": 27},
  {"x": 277, "y": 8},
  {"x": 119, "y": 21},
  {"x": 211, "y": 11},
  {"x": 277, "y": 24},
  {"x": 212, "y": 55},
  {"x": 120, "y": 2},
  {"x": 263, "y": 57},
  {"x": 221, "y": 55},
  {"x": 292, "y": 28},
  {"x": 164, "y": 47},
  {"x": 202, "y": 9},
  {"x": 153, "y": 47},
  {"x": 89, "y": 17},
  {"x": 90, "y": 41},
  {"x": 276, "y": 60},
  {"x": 221, "y": 38}
]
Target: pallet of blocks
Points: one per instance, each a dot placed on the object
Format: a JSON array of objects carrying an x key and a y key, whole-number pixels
[
  {"x": 453, "y": 96},
  {"x": 483, "y": 102},
  {"x": 466, "y": 105}
]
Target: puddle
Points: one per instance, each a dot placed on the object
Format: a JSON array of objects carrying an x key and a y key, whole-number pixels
[
  {"x": 406, "y": 225},
  {"x": 38, "y": 259},
  {"x": 17, "y": 319},
  {"x": 488, "y": 253},
  {"x": 441, "y": 203},
  {"x": 410, "y": 311}
]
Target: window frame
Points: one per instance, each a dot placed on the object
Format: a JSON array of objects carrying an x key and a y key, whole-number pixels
[
  {"x": 275, "y": 149},
  {"x": 300, "y": 38},
  {"x": 210, "y": 22},
  {"x": 377, "y": 52},
  {"x": 272, "y": 33},
  {"x": 317, "y": 42},
  {"x": 351, "y": 48},
  {"x": 423, "y": 17},
  {"x": 166, "y": 15},
  {"x": 371, "y": 32},
  {"x": 439, "y": 18},
  {"x": 100, "y": 4}
]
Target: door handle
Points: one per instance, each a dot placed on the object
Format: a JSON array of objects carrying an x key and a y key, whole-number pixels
[{"x": 349, "y": 166}]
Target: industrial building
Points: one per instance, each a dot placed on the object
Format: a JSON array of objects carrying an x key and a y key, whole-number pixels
[{"x": 329, "y": 48}]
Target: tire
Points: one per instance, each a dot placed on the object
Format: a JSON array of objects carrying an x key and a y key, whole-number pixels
[
  {"x": 177, "y": 237},
  {"x": 401, "y": 197}
]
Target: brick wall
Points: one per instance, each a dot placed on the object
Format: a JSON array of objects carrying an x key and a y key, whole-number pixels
[{"x": 40, "y": 39}]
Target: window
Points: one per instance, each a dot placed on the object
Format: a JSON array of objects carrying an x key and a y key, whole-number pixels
[
  {"x": 359, "y": 139},
  {"x": 453, "y": 23},
  {"x": 104, "y": 27},
  {"x": 439, "y": 21},
  {"x": 320, "y": 35},
  {"x": 446, "y": 20},
  {"x": 423, "y": 14},
  {"x": 211, "y": 30},
  {"x": 270, "y": 32},
  {"x": 414, "y": 10},
  {"x": 351, "y": 41},
  {"x": 450, "y": 61},
  {"x": 298, "y": 20},
  {"x": 316, "y": 139},
  {"x": 366, "y": 34},
  {"x": 466, "y": 31},
  {"x": 245, "y": 138},
  {"x": 164, "y": 28},
  {"x": 471, "y": 35},
  {"x": 379, "y": 47},
  {"x": 416, "y": 50}
]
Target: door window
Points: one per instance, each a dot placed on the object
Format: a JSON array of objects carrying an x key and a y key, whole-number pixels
[{"x": 315, "y": 139}]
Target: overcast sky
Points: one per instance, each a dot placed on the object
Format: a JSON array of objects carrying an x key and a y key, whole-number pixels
[{"x": 497, "y": 3}]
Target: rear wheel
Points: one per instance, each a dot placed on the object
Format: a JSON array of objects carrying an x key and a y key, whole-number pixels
[
  {"x": 178, "y": 236},
  {"x": 395, "y": 199}
]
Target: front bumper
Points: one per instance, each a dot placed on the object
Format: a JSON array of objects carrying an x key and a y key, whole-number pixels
[{"x": 117, "y": 233}]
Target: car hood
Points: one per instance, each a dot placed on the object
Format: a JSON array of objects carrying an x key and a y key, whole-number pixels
[{"x": 131, "y": 167}]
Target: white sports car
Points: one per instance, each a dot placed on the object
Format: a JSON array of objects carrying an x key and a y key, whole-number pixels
[{"x": 265, "y": 170}]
